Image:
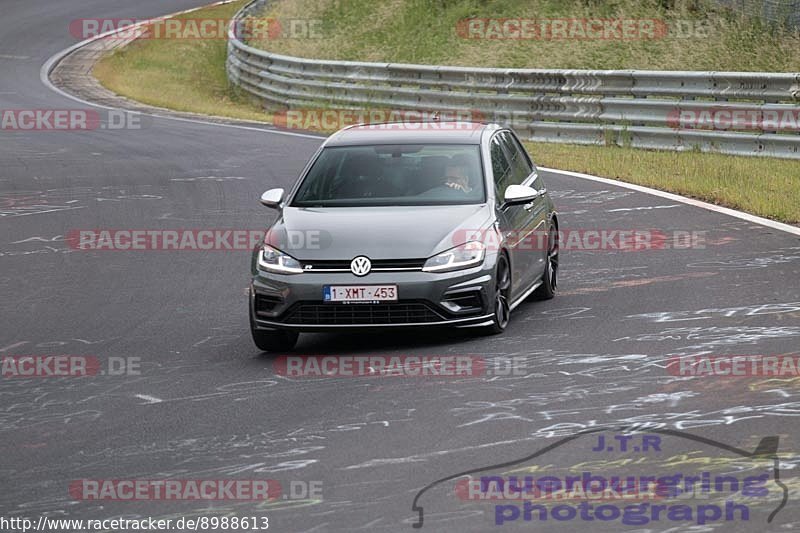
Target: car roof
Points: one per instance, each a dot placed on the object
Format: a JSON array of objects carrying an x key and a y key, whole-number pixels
[{"x": 423, "y": 132}]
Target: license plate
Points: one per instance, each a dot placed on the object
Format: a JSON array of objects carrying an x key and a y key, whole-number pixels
[{"x": 359, "y": 293}]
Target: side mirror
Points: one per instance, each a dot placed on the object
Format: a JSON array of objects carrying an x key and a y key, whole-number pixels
[
  {"x": 520, "y": 194},
  {"x": 272, "y": 198}
]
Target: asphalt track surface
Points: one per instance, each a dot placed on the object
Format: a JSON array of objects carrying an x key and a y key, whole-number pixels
[{"x": 208, "y": 405}]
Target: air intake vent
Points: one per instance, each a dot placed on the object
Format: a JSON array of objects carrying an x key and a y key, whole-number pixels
[{"x": 308, "y": 313}]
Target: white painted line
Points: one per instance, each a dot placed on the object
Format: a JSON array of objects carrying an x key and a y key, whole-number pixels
[
  {"x": 788, "y": 228},
  {"x": 13, "y": 346},
  {"x": 210, "y": 178},
  {"x": 44, "y": 76},
  {"x": 149, "y": 399},
  {"x": 643, "y": 208},
  {"x": 16, "y": 214}
]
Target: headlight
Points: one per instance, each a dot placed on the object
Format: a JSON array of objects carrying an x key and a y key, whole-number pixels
[
  {"x": 467, "y": 255},
  {"x": 274, "y": 260}
]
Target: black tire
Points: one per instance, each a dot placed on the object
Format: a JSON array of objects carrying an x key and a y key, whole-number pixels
[
  {"x": 273, "y": 340},
  {"x": 547, "y": 289},
  {"x": 501, "y": 305}
]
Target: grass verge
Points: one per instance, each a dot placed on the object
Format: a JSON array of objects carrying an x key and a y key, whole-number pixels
[
  {"x": 189, "y": 75},
  {"x": 763, "y": 186},
  {"x": 685, "y": 34},
  {"x": 180, "y": 74}
]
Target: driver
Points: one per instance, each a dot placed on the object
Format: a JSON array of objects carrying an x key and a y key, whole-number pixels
[{"x": 456, "y": 176}]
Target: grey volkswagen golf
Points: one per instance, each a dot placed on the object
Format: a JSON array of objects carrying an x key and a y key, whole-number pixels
[{"x": 399, "y": 225}]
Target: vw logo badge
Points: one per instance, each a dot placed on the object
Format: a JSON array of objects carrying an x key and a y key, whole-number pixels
[{"x": 360, "y": 266}]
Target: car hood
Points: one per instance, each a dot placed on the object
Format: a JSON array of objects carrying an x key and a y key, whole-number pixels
[{"x": 400, "y": 232}]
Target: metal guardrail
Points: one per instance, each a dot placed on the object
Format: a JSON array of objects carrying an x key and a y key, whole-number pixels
[{"x": 638, "y": 108}]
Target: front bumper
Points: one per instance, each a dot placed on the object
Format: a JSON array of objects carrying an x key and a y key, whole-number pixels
[{"x": 425, "y": 299}]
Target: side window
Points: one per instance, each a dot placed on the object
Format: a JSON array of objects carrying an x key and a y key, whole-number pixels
[
  {"x": 500, "y": 166},
  {"x": 520, "y": 166}
]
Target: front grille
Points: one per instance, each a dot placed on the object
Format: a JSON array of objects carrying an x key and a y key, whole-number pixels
[
  {"x": 336, "y": 264},
  {"x": 311, "y": 313}
]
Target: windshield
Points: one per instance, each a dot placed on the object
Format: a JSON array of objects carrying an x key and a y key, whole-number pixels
[{"x": 395, "y": 174}]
